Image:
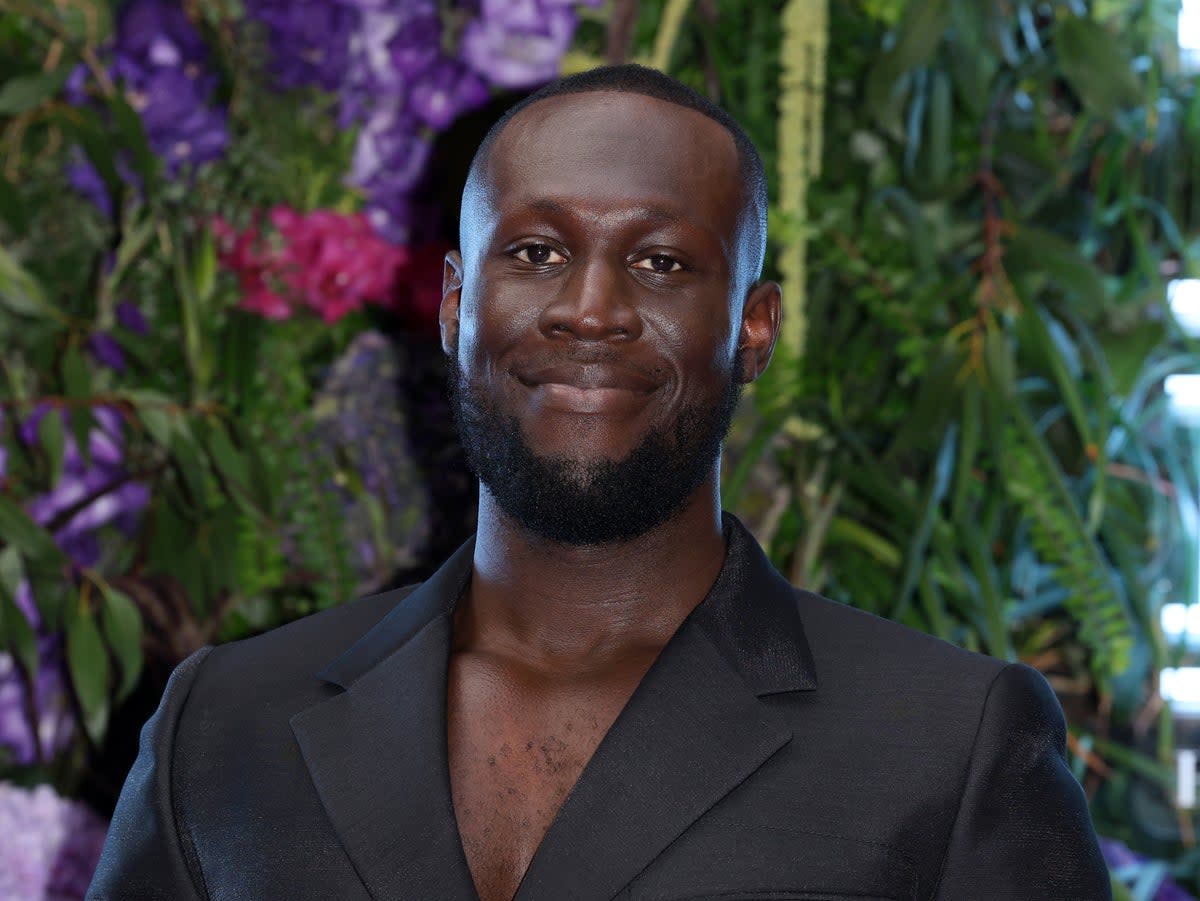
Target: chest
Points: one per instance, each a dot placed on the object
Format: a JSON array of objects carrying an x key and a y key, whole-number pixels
[{"x": 515, "y": 750}]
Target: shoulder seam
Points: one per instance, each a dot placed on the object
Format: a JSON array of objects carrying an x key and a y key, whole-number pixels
[
  {"x": 183, "y": 834},
  {"x": 966, "y": 778}
]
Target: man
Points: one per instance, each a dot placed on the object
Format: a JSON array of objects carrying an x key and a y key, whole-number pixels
[{"x": 608, "y": 692}]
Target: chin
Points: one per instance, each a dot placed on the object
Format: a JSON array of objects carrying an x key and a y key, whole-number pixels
[{"x": 583, "y": 444}]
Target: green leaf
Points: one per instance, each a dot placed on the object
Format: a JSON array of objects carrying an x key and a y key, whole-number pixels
[
  {"x": 18, "y": 530},
  {"x": 132, "y": 136},
  {"x": 53, "y": 440},
  {"x": 998, "y": 357},
  {"x": 935, "y": 491},
  {"x": 91, "y": 672},
  {"x": 20, "y": 292},
  {"x": 204, "y": 267},
  {"x": 920, "y": 32},
  {"x": 15, "y": 631},
  {"x": 972, "y": 62},
  {"x": 916, "y": 39},
  {"x": 844, "y": 529},
  {"x": 1061, "y": 262},
  {"x": 28, "y": 91},
  {"x": 77, "y": 385},
  {"x": 1038, "y": 339},
  {"x": 226, "y": 459},
  {"x": 1096, "y": 66},
  {"x": 123, "y": 628},
  {"x": 189, "y": 463},
  {"x": 239, "y": 347},
  {"x": 938, "y": 157},
  {"x": 968, "y": 446},
  {"x": 12, "y": 207},
  {"x": 153, "y": 411}
]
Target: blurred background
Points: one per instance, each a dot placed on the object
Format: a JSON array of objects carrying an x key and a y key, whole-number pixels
[{"x": 221, "y": 393}]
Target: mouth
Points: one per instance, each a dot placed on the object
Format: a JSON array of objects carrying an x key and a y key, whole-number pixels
[
  {"x": 589, "y": 377},
  {"x": 588, "y": 387}
]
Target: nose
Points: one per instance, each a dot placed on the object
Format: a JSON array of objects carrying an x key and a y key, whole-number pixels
[{"x": 593, "y": 303}]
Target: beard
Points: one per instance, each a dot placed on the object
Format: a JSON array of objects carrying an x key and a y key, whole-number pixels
[{"x": 595, "y": 501}]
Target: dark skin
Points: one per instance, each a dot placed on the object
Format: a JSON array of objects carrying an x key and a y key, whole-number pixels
[{"x": 607, "y": 238}]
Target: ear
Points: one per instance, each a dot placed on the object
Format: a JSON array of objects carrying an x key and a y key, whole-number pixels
[
  {"x": 761, "y": 316},
  {"x": 452, "y": 279}
]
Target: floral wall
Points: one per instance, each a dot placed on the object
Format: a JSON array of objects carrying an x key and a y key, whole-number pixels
[{"x": 222, "y": 225}]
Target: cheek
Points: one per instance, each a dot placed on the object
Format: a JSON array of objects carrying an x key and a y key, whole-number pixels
[
  {"x": 703, "y": 346},
  {"x": 492, "y": 320}
]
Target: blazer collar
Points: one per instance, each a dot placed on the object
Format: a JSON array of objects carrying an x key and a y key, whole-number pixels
[
  {"x": 693, "y": 730},
  {"x": 750, "y": 614}
]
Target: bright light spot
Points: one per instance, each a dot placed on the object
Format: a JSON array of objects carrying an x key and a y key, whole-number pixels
[
  {"x": 1183, "y": 294},
  {"x": 1181, "y": 621},
  {"x": 1189, "y": 25},
  {"x": 1183, "y": 393},
  {"x": 1180, "y": 688},
  {"x": 1189, "y": 36}
]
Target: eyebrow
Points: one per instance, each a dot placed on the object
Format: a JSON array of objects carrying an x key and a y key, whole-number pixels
[{"x": 657, "y": 216}]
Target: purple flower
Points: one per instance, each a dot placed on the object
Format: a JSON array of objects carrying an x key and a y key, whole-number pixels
[
  {"x": 107, "y": 351},
  {"x": 157, "y": 33},
  {"x": 518, "y": 44},
  {"x": 363, "y": 419},
  {"x": 180, "y": 127},
  {"x": 129, "y": 316},
  {"x": 1118, "y": 856},
  {"x": 52, "y": 709},
  {"x": 104, "y": 495},
  {"x": 444, "y": 91},
  {"x": 372, "y": 82},
  {"x": 115, "y": 500},
  {"x": 390, "y": 158},
  {"x": 417, "y": 45},
  {"x": 85, "y": 178},
  {"x": 51, "y": 715},
  {"x": 157, "y": 59},
  {"x": 51, "y": 845},
  {"x": 308, "y": 40}
]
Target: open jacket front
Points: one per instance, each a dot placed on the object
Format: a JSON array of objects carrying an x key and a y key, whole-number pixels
[{"x": 311, "y": 762}]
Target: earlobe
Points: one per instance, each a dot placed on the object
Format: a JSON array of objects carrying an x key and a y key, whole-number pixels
[{"x": 452, "y": 280}]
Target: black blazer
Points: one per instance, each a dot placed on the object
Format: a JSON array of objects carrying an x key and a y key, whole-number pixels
[{"x": 310, "y": 762}]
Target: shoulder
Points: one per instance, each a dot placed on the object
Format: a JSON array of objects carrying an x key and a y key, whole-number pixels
[
  {"x": 278, "y": 668},
  {"x": 866, "y": 662},
  {"x": 841, "y": 635}
]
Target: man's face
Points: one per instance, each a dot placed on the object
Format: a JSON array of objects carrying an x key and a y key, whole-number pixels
[{"x": 593, "y": 339}]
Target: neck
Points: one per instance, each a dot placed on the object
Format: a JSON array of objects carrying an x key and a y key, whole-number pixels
[{"x": 549, "y": 601}]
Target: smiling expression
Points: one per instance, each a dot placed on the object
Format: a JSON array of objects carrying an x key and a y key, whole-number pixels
[{"x": 604, "y": 285}]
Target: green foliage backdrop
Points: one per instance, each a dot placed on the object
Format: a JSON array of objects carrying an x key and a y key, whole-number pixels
[{"x": 976, "y": 208}]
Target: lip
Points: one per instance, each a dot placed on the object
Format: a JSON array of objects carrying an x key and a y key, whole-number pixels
[
  {"x": 589, "y": 389},
  {"x": 585, "y": 377}
]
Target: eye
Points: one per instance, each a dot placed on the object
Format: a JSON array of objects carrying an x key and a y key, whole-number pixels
[
  {"x": 659, "y": 262},
  {"x": 539, "y": 255}
]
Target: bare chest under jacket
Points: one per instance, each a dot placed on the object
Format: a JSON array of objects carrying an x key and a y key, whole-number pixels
[{"x": 516, "y": 747}]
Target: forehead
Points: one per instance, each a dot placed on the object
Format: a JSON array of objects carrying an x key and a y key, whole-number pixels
[{"x": 604, "y": 151}]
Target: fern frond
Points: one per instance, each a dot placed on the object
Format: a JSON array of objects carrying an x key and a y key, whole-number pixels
[{"x": 1060, "y": 539}]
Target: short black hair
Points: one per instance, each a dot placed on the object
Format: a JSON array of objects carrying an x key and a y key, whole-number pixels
[{"x": 631, "y": 78}]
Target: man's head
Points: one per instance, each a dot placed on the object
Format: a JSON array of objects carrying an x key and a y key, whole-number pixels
[{"x": 604, "y": 311}]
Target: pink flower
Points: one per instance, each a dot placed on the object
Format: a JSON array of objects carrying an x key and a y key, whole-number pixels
[
  {"x": 420, "y": 294},
  {"x": 326, "y": 262}
]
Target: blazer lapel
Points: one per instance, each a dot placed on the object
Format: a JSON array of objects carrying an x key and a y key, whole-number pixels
[
  {"x": 693, "y": 730},
  {"x": 691, "y": 733},
  {"x": 377, "y": 751}
]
